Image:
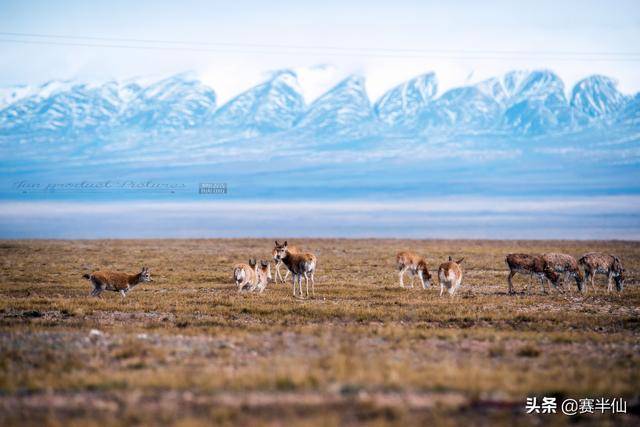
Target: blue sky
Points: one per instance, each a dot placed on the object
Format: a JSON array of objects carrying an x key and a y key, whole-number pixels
[{"x": 458, "y": 40}]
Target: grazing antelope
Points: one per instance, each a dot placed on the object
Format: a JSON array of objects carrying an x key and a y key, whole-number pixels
[
  {"x": 416, "y": 265},
  {"x": 294, "y": 250},
  {"x": 450, "y": 275},
  {"x": 263, "y": 275},
  {"x": 563, "y": 263},
  {"x": 245, "y": 275},
  {"x": 610, "y": 265},
  {"x": 116, "y": 281},
  {"x": 531, "y": 265},
  {"x": 300, "y": 264}
]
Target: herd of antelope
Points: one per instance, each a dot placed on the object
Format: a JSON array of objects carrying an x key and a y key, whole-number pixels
[{"x": 253, "y": 277}]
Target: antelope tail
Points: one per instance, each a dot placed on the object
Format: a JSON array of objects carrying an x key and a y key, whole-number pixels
[{"x": 86, "y": 276}]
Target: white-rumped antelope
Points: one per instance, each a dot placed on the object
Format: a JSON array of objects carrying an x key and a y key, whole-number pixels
[
  {"x": 244, "y": 275},
  {"x": 563, "y": 263},
  {"x": 599, "y": 263},
  {"x": 300, "y": 264},
  {"x": 294, "y": 250},
  {"x": 116, "y": 281},
  {"x": 450, "y": 276},
  {"x": 416, "y": 265},
  {"x": 530, "y": 265}
]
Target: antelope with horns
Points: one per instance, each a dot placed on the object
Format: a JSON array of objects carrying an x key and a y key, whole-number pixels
[
  {"x": 416, "y": 265},
  {"x": 116, "y": 281},
  {"x": 594, "y": 263},
  {"x": 450, "y": 276},
  {"x": 244, "y": 275},
  {"x": 300, "y": 264},
  {"x": 563, "y": 263},
  {"x": 294, "y": 250},
  {"x": 530, "y": 265}
]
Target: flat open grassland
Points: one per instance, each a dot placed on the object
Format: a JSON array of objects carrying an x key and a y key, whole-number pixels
[{"x": 189, "y": 350}]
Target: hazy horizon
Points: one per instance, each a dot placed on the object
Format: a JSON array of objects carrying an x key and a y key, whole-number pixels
[{"x": 594, "y": 218}]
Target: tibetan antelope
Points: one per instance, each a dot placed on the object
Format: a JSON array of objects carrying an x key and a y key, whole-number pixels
[
  {"x": 416, "y": 265},
  {"x": 563, "y": 263},
  {"x": 300, "y": 264},
  {"x": 610, "y": 265},
  {"x": 450, "y": 275},
  {"x": 530, "y": 265},
  {"x": 116, "y": 281},
  {"x": 245, "y": 275},
  {"x": 263, "y": 275},
  {"x": 294, "y": 250}
]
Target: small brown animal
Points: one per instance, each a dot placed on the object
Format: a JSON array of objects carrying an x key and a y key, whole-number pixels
[
  {"x": 294, "y": 250},
  {"x": 245, "y": 275},
  {"x": 300, "y": 264},
  {"x": 450, "y": 276},
  {"x": 263, "y": 275},
  {"x": 416, "y": 265},
  {"x": 116, "y": 281},
  {"x": 610, "y": 265},
  {"x": 563, "y": 263},
  {"x": 531, "y": 265}
]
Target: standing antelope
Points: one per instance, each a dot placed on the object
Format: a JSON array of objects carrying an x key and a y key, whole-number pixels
[
  {"x": 294, "y": 250},
  {"x": 263, "y": 275},
  {"x": 610, "y": 265},
  {"x": 300, "y": 264},
  {"x": 450, "y": 275},
  {"x": 116, "y": 281},
  {"x": 563, "y": 263},
  {"x": 245, "y": 275},
  {"x": 531, "y": 265},
  {"x": 416, "y": 265}
]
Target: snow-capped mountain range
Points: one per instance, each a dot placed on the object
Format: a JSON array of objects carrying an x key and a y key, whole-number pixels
[{"x": 520, "y": 102}]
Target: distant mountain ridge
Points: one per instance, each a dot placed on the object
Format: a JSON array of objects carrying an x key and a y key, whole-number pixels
[{"x": 520, "y": 102}]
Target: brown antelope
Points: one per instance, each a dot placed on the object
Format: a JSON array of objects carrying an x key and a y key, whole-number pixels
[
  {"x": 531, "y": 265},
  {"x": 450, "y": 275},
  {"x": 116, "y": 281},
  {"x": 416, "y": 265},
  {"x": 294, "y": 250},
  {"x": 245, "y": 275},
  {"x": 263, "y": 275},
  {"x": 563, "y": 263},
  {"x": 300, "y": 264},
  {"x": 610, "y": 265}
]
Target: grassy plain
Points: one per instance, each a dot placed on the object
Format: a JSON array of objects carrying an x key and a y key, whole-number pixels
[{"x": 189, "y": 350}]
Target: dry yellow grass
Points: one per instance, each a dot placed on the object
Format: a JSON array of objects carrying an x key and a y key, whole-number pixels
[{"x": 189, "y": 350}]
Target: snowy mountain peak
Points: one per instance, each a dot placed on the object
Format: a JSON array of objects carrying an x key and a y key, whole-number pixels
[
  {"x": 54, "y": 86},
  {"x": 597, "y": 96},
  {"x": 533, "y": 101},
  {"x": 342, "y": 110},
  {"x": 170, "y": 87},
  {"x": 177, "y": 102},
  {"x": 464, "y": 107},
  {"x": 521, "y": 102},
  {"x": 534, "y": 85},
  {"x": 403, "y": 104},
  {"x": 285, "y": 76},
  {"x": 11, "y": 94},
  {"x": 516, "y": 86},
  {"x": 352, "y": 87},
  {"x": 270, "y": 106}
]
